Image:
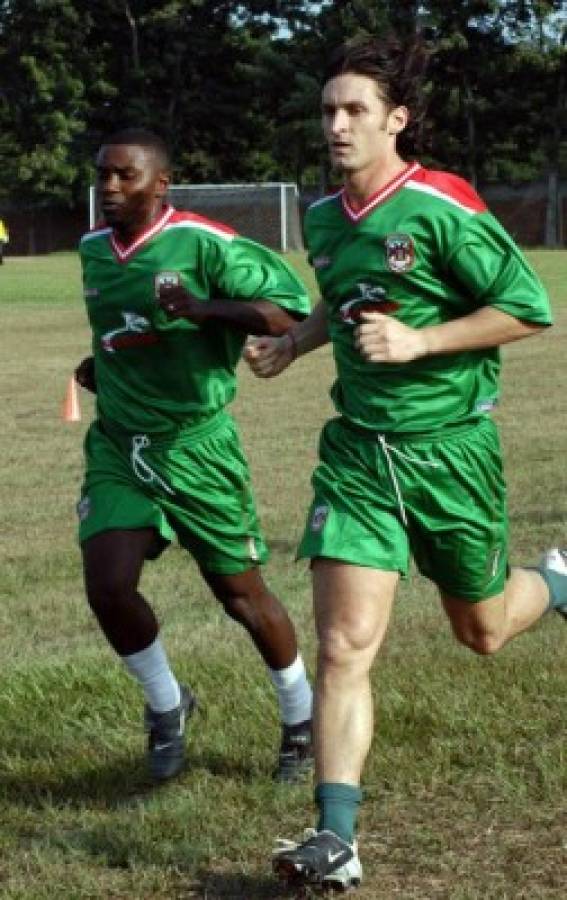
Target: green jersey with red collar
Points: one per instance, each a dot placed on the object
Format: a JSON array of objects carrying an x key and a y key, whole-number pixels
[
  {"x": 156, "y": 375},
  {"x": 426, "y": 250}
]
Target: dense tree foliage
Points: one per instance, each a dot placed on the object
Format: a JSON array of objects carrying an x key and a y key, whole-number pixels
[{"x": 234, "y": 86}]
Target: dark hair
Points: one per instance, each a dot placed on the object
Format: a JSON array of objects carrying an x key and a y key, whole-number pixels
[
  {"x": 141, "y": 137},
  {"x": 397, "y": 68}
]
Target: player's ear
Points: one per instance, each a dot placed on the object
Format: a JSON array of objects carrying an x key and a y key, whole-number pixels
[
  {"x": 162, "y": 183},
  {"x": 398, "y": 118}
]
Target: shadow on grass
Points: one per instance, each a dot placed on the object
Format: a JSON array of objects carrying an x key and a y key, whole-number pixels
[
  {"x": 116, "y": 784},
  {"x": 245, "y": 887}
]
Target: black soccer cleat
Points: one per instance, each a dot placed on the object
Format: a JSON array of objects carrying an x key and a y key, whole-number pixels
[
  {"x": 323, "y": 859},
  {"x": 166, "y": 741},
  {"x": 295, "y": 758}
]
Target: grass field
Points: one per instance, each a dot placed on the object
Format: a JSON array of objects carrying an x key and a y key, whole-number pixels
[{"x": 466, "y": 782}]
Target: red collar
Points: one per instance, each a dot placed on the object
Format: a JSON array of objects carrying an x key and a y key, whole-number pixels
[
  {"x": 380, "y": 196},
  {"x": 123, "y": 252}
]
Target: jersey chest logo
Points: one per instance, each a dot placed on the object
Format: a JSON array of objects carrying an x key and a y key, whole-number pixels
[
  {"x": 372, "y": 298},
  {"x": 400, "y": 253},
  {"x": 136, "y": 332}
]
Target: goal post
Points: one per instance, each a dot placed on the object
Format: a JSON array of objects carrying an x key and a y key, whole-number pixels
[{"x": 267, "y": 212}]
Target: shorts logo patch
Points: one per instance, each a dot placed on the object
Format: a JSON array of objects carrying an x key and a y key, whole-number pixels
[
  {"x": 319, "y": 517},
  {"x": 253, "y": 550},
  {"x": 83, "y": 508},
  {"x": 400, "y": 253},
  {"x": 493, "y": 561},
  {"x": 165, "y": 279}
]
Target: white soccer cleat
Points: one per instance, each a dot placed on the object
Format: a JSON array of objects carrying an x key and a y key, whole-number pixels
[{"x": 322, "y": 858}]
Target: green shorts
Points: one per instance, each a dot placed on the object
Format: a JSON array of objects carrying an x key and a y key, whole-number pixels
[
  {"x": 196, "y": 487},
  {"x": 442, "y": 500}
]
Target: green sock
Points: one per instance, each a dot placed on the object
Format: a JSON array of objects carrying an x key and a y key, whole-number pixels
[
  {"x": 557, "y": 585},
  {"x": 338, "y": 808}
]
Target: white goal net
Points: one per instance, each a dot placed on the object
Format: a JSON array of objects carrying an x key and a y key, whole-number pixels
[{"x": 266, "y": 212}]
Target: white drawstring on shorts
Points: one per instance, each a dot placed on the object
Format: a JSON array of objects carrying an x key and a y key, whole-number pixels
[
  {"x": 387, "y": 449},
  {"x": 141, "y": 468}
]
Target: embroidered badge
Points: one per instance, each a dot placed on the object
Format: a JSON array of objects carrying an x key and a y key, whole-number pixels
[{"x": 400, "y": 253}]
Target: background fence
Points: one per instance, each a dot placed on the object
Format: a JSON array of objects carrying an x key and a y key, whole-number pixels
[{"x": 522, "y": 210}]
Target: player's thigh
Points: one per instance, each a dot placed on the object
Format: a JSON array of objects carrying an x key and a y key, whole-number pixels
[
  {"x": 459, "y": 520},
  {"x": 113, "y": 560},
  {"x": 354, "y": 516},
  {"x": 113, "y": 498},
  {"x": 213, "y": 508},
  {"x": 352, "y": 606}
]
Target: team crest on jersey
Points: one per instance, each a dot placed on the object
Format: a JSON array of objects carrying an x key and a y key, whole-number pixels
[
  {"x": 165, "y": 279},
  {"x": 136, "y": 332},
  {"x": 321, "y": 262},
  {"x": 371, "y": 298},
  {"x": 400, "y": 253}
]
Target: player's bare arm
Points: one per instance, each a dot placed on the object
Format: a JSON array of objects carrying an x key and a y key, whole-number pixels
[
  {"x": 85, "y": 374},
  {"x": 383, "y": 338},
  {"x": 270, "y": 356},
  {"x": 259, "y": 317}
]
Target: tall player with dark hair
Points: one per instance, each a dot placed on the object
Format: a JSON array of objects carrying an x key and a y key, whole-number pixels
[
  {"x": 171, "y": 298},
  {"x": 420, "y": 286}
]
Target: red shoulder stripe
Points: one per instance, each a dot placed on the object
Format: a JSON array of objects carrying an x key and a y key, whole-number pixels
[
  {"x": 449, "y": 187},
  {"x": 180, "y": 216}
]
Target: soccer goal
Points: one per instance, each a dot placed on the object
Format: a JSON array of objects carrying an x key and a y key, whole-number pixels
[{"x": 267, "y": 212}]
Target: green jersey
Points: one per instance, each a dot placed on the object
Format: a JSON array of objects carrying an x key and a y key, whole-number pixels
[
  {"x": 155, "y": 375},
  {"x": 426, "y": 250}
]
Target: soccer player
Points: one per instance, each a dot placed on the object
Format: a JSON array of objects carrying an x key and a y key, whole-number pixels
[
  {"x": 171, "y": 298},
  {"x": 420, "y": 285}
]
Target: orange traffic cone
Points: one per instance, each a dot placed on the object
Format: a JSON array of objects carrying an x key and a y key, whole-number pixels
[{"x": 71, "y": 411}]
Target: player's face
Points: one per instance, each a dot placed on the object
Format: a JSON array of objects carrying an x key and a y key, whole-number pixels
[
  {"x": 358, "y": 124},
  {"x": 130, "y": 184}
]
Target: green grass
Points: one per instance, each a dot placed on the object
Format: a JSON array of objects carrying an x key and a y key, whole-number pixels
[{"x": 467, "y": 777}]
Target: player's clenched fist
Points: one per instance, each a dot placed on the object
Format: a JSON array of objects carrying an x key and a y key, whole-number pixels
[
  {"x": 177, "y": 303},
  {"x": 268, "y": 356},
  {"x": 382, "y": 338}
]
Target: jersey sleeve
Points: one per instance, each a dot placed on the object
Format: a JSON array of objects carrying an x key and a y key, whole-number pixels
[
  {"x": 494, "y": 271},
  {"x": 245, "y": 270}
]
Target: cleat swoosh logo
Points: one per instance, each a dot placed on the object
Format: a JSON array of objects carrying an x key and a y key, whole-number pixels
[
  {"x": 332, "y": 857},
  {"x": 165, "y": 746}
]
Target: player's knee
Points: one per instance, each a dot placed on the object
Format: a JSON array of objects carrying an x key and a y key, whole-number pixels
[
  {"x": 254, "y": 609},
  {"x": 480, "y": 641},
  {"x": 341, "y": 648},
  {"x": 108, "y": 590}
]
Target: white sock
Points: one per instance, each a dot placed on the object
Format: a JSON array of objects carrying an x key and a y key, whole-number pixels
[
  {"x": 294, "y": 692},
  {"x": 151, "y": 670}
]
